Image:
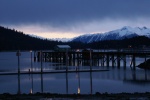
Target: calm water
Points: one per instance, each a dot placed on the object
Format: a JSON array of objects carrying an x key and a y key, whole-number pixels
[{"x": 112, "y": 81}]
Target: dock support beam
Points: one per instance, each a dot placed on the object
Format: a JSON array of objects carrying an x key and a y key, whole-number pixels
[
  {"x": 134, "y": 64},
  {"x": 118, "y": 61},
  {"x": 124, "y": 61},
  {"x": 41, "y": 56},
  {"x": 113, "y": 61},
  {"x": 107, "y": 57}
]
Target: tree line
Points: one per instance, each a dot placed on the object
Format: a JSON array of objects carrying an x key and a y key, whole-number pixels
[{"x": 11, "y": 39}]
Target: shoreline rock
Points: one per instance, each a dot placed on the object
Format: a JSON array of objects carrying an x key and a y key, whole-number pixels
[{"x": 145, "y": 65}]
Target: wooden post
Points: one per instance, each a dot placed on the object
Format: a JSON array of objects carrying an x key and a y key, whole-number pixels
[
  {"x": 90, "y": 60},
  {"x": 52, "y": 56},
  {"x": 35, "y": 56},
  {"x": 41, "y": 61},
  {"x": 38, "y": 56},
  {"x": 18, "y": 54},
  {"x": 113, "y": 61},
  {"x": 118, "y": 60},
  {"x": 31, "y": 61},
  {"x": 45, "y": 56},
  {"x": 73, "y": 59},
  {"x": 98, "y": 62},
  {"x": 134, "y": 64},
  {"x": 77, "y": 59},
  {"x": 70, "y": 58},
  {"x": 124, "y": 61},
  {"x": 66, "y": 60},
  {"x": 107, "y": 60},
  {"x": 102, "y": 61},
  {"x": 64, "y": 57},
  {"x": 60, "y": 57},
  {"x": 145, "y": 69}
]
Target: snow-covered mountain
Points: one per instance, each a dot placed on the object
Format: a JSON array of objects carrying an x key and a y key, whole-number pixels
[
  {"x": 52, "y": 39},
  {"x": 62, "y": 39},
  {"x": 125, "y": 32}
]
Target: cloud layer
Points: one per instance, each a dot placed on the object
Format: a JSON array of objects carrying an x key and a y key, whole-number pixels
[{"x": 73, "y": 16}]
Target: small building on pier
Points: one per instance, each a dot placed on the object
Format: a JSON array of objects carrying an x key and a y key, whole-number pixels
[{"x": 62, "y": 48}]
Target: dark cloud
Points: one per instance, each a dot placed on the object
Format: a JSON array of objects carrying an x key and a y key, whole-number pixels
[{"x": 67, "y": 12}]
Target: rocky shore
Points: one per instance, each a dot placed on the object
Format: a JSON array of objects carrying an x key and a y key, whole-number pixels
[
  {"x": 145, "y": 65},
  {"x": 96, "y": 96}
]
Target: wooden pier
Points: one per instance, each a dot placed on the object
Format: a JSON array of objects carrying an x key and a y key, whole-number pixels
[{"x": 93, "y": 58}]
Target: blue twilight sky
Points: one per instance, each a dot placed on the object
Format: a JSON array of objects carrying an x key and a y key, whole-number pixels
[{"x": 70, "y": 18}]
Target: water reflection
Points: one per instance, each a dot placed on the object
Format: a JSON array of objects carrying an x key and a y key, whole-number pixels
[
  {"x": 19, "y": 91},
  {"x": 31, "y": 91},
  {"x": 138, "y": 77},
  {"x": 91, "y": 83},
  {"x": 145, "y": 74},
  {"x": 41, "y": 83},
  {"x": 115, "y": 80},
  {"x": 78, "y": 77},
  {"x": 66, "y": 83}
]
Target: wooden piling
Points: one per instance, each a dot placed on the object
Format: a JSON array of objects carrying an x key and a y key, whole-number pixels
[
  {"x": 107, "y": 60},
  {"x": 124, "y": 61},
  {"x": 134, "y": 64},
  {"x": 113, "y": 61},
  {"x": 118, "y": 60},
  {"x": 98, "y": 58}
]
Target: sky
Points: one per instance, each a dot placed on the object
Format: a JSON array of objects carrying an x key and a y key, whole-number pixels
[{"x": 71, "y": 18}]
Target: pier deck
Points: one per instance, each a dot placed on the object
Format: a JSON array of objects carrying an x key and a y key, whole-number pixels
[{"x": 92, "y": 58}]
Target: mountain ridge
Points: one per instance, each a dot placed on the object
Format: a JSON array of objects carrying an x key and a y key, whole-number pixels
[
  {"x": 118, "y": 34},
  {"x": 11, "y": 39}
]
